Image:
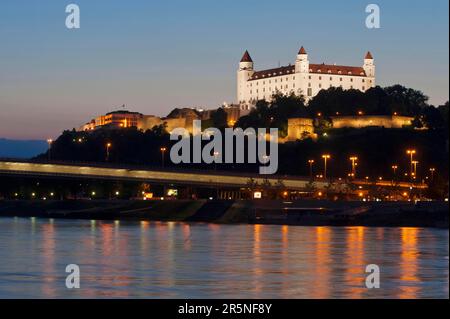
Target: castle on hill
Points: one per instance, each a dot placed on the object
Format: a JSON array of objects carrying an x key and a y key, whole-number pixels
[{"x": 301, "y": 78}]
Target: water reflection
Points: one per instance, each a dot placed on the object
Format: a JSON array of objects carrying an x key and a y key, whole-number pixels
[
  {"x": 355, "y": 264},
  {"x": 322, "y": 262},
  {"x": 177, "y": 260},
  {"x": 48, "y": 257},
  {"x": 409, "y": 262}
]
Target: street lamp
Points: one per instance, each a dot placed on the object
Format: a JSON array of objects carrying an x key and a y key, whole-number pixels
[
  {"x": 394, "y": 168},
  {"x": 411, "y": 153},
  {"x": 354, "y": 159},
  {"x": 108, "y": 146},
  {"x": 432, "y": 171},
  {"x": 216, "y": 156},
  {"x": 49, "y": 142},
  {"x": 311, "y": 163},
  {"x": 325, "y": 157},
  {"x": 415, "y": 163},
  {"x": 163, "y": 152}
]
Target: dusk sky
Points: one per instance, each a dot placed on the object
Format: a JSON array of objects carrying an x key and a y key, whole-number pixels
[{"x": 157, "y": 55}]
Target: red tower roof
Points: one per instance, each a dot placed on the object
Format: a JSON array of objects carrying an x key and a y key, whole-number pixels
[
  {"x": 302, "y": 51},
  {"x": 246, "y": 57},
  {"x": 369, "y": 56}
]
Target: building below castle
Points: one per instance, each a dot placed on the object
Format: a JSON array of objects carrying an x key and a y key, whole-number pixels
[
  {"x": 302, "y": 78},
  {"x": 301, "y": 128},
  {"x": 177, "y": 118}
]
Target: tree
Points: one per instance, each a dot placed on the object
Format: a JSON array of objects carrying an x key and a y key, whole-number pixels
[{"x": 219, "y": 118}]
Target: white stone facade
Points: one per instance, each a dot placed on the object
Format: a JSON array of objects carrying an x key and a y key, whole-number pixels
[{"x": 301, "y": 78}]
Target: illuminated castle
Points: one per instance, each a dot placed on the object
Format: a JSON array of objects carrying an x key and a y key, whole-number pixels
[{"x": 301, "y": 78}]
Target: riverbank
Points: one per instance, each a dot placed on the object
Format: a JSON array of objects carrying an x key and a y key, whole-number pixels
[{"x": 302, "y": 213}]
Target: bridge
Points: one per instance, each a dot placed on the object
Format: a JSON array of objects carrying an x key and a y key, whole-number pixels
[{"x": 164, "y": 176}]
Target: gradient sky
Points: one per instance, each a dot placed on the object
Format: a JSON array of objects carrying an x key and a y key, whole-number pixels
[{"x": 157, "y": 55}]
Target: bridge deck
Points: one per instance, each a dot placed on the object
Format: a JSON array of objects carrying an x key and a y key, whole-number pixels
[{"x": 164, "y": 176}]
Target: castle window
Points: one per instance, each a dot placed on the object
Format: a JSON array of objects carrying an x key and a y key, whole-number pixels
[
  {"x": 320, "y": 86},
  {"x": 339, "y": 72},
  {"x": 329, "y": 71},
  {"x": 309, "y": 84},
  {"x": 340, "y": 79},
  {"x": 309, "y": 92},
  {"x": 363, "y": 80},
  {"x": 351, "y": 80},
  {"x": 331, "y": 78},
  {"x": 364, "y": 88},
  {"x": 310, "y": 77},
  {"x": 320, "y": 78},
  {"x": 349, "y": 73},
  {"x": 293, "y": 78},
  {"x": 293, "y": 85}
]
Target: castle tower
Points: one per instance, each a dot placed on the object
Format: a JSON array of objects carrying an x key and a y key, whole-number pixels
[
  {"x": 302, "y": 71},
  {"x": 302, "y": 62},
  {"x": 369, "y": 65},
  {"x": 244, "y": 73}
]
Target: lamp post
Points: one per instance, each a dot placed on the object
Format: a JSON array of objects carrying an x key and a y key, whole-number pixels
[
  {"x": 432, "y": 171},
  {"x": 411, "y": 153},
  {"x": 415, "y": 163},
  {"x": 354, "y": 159},
  {"x": 216, "y": 155},
  {"x": 49, "y": 142},
  {"x": 108, "y": 146},
  {"x": 394, "y": 169},
  {"x": 163, "y": 152},
  {"x": 311, "y": 163},
  {"x": 325, "y": 157}
]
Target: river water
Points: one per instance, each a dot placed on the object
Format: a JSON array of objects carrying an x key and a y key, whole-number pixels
[{"x": 177, "y": 260}]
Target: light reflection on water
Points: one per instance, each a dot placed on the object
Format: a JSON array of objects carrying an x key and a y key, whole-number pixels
[{"x": 176, "y": 260}]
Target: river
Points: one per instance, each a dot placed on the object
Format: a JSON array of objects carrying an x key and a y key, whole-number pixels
[{"x": 179, "y": 260}]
